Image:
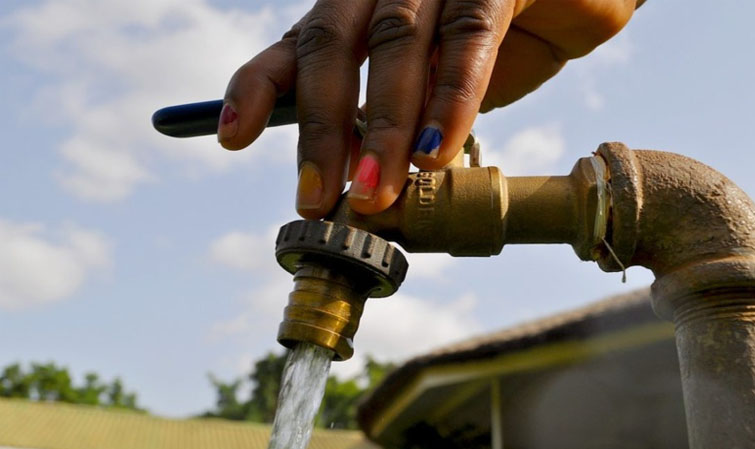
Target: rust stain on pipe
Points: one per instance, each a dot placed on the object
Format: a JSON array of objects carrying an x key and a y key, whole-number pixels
[
  {"x": 695, "y": 229},
  {"x": 670, "y": 210}
]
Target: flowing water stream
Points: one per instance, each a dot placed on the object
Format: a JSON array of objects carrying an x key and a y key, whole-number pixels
[{"x": 302, "y": 388}]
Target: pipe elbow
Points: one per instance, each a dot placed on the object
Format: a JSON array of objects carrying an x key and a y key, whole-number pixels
[{"x": 689, "y": 224}]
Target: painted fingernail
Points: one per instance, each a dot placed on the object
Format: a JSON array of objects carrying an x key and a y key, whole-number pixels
[
  {"x": 309, "y": 191},
  {"x": 228, "y": 125},
  {"x": 428, "y": 142},
  {"x": 367, "y": 178}
]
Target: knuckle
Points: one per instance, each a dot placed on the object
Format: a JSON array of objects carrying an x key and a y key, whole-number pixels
[
  {"x": 468, "y": 18},
  {"x": 320, "y": 35},
  {"x": 382, "y": 122},
  {"x": 393, "y": 24},
  {"x": 459, "y": 88},
  {"x": 292, "y": 34},
  {"x": 314, "y": 127},
  {"x": 386, "y": 130}
]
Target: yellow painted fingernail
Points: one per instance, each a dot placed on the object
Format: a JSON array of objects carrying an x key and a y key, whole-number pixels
[{"x": 310, "y": 191}]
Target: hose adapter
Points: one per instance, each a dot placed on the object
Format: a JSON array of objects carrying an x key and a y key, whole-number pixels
[{"x": 336, "y": 268}]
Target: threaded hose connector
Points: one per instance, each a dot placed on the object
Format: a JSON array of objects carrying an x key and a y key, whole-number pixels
[{"x": 336, "y": 268}]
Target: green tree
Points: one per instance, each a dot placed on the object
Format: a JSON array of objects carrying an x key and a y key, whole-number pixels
[
  {"x": 227, "y": 405},
  {"x": 341, "y": 398},
  {"x": 118, "y": 397},
  {"x": 375, "y": 372},
  {"x": 266, "y": 378},
  {"x": 49, "y": 382},
  {"x": 92, "y": 390},
  {"x": 14, "y": 383},
  {"x": 339, "y": 405}
]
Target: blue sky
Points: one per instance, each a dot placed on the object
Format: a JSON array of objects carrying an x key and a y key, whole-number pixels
[{"x": 132, "y": 254}]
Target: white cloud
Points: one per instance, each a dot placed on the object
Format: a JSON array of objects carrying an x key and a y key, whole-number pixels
[
  {"x": 100, "y": 173},
  {"x": 261, "y": 309},
  {"x": 34, "y": 268},
  {"x": 532, "y": 149},
  {"x": 429, "y": 265},
  {"x": 114, "y": 63},
  {"x": 246, "y": 251},
  {"x": 402, "y": 326},
  {"x": 616, "y": 52}
]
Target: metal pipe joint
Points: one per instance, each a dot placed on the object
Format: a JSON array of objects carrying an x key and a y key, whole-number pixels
[
  {"x": 695, "y": 229},
  {"x": 683, "y": 220}
]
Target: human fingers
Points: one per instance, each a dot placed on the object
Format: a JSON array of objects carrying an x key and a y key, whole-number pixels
[
  {"x": 470, "y": 32},
  {"x": 400, "y": 42},
  {"x": 356, "y": 140},
  {"x": 251, "y": 94},
  {"x": 329, "y": 51}
]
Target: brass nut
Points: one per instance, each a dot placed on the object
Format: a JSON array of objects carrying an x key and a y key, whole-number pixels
[{"x": 336, "y": 268}]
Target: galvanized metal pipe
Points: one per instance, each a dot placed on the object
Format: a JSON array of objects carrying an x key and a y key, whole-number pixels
[
  {"x": 715, "y": 336},
  {"x": 695, "y": 230}
]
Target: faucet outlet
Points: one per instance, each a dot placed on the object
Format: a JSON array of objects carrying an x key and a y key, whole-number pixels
[{"x": 336, "y": 268}]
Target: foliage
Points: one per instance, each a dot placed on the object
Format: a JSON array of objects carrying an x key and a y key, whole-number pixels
[
  {"x": 266, "y": 379},
  {"x": 339, "y": 403},
  {"x": 48, "y": 382}
]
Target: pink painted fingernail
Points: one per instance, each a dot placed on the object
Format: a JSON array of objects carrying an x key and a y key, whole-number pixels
[
  {"x": 367, "y": 178},
  {"x": 228, "y": 125}
]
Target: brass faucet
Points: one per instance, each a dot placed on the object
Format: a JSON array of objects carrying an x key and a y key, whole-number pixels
[
  {"x": 463, "y": 211},
  {"x": 683, "y": 220}
]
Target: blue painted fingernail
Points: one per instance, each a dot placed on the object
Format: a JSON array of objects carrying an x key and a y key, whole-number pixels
[{"x": 428, "y": 142}]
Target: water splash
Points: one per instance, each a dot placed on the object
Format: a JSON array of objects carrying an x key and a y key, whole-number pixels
[{"x": 302, "y": 388}]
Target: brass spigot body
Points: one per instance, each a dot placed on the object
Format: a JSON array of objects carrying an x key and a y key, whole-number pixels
[
  {"x": 464, "y": 211},
  {"x": 475, "y": 211}
]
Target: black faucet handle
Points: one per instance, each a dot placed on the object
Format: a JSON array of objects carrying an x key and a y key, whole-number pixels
[{"x": 201, "y": 119}]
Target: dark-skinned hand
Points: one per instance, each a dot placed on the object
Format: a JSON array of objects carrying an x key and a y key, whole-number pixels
[{"x": 433, "y": 65}]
